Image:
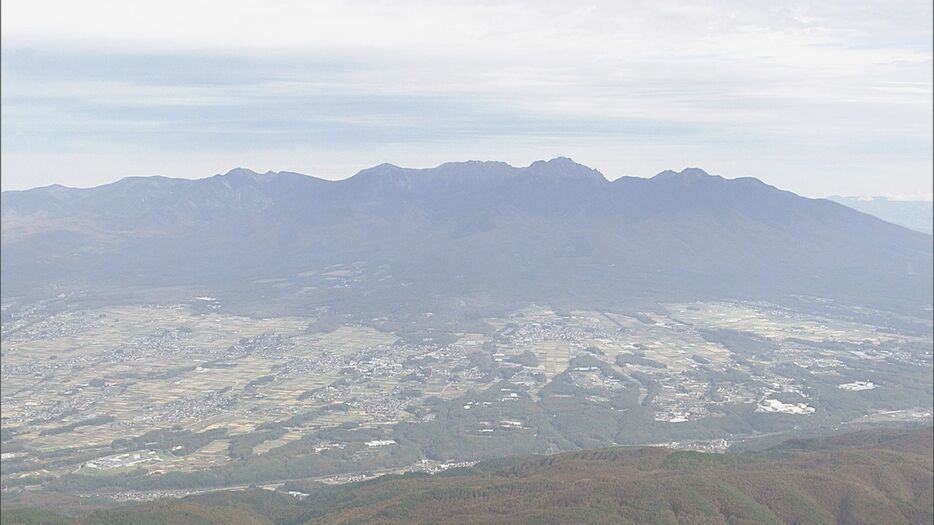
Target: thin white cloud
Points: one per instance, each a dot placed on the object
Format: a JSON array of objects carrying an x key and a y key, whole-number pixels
[{"x": 827, "y": 83}]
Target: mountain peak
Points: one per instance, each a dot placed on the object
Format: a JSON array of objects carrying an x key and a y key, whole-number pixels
[
  {"x": 559, "y": 162},
  {"x": 378, "y": 170},
  {"x": 560, "y": 167},
  {"x": 686, "y": 173},
  {"x": 240, "y": 176},
  {"x": 686, "y": 176},
  {"x": 240, "y": 172},
  {"x": 695, "y": 172},
  {"x": 475, "y": 165}
]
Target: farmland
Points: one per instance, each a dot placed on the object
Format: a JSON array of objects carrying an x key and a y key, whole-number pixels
[{"x": 187, "y": 396}]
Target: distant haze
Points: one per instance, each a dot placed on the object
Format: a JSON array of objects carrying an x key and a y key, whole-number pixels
[
  {"x": 917, "y": 215},
  {"x": 821, "y": 98}
]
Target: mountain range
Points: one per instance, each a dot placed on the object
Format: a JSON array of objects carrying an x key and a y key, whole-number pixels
[{"x": 465, "y": 236}]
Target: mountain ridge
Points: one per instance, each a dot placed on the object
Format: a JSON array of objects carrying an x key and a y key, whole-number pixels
[
  {"x": 243, "y": 173},
  {"x": 553, "y": 231}
]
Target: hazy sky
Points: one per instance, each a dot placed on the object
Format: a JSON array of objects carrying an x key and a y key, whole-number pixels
[{"x": 816, "y": 97}]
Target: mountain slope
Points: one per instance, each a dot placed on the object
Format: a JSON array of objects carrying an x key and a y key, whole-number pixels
[
  {"x": 878, "y": 476},
  {"x": 916, "y": 215},
  {"x": 861, "y": 481},
  {"x": 475, "y": 233}
]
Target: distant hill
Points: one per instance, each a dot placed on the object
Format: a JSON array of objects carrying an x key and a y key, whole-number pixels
[
  {"x": 869, "y": 477},
  {"x": 467, "y": 236},
  {"x": 917, "y": 215}
]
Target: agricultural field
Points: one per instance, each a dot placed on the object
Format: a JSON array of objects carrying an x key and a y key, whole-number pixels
[{"x": 186, "y": 396}]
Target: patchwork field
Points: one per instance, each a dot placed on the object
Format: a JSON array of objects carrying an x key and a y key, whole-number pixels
[{"x": 227, "y": 399}]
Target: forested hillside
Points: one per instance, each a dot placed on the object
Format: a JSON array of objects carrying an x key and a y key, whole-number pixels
[{"x": 867, "y": 477}]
